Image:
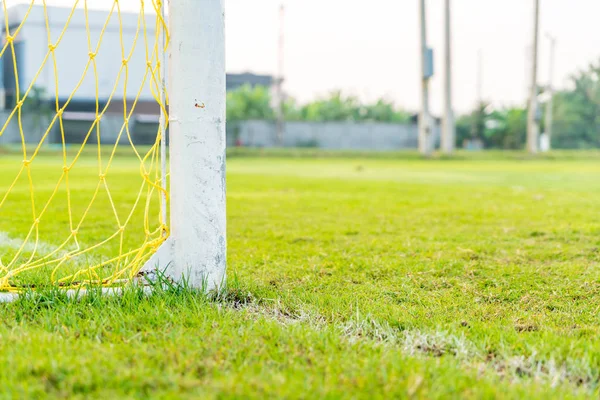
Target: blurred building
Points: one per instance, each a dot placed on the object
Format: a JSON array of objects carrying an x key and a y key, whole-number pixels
[
  {"x": 235, "y": 81},
  {"x": 87, "y": 70},
  {"x": 75, "y": 79}
]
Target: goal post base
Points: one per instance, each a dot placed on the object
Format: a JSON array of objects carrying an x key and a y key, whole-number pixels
[{"x": 164, "y": 264}]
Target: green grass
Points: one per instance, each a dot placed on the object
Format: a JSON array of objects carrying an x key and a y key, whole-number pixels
[
  {"x": 90, "y": 213},
  {"x": 361, "y": 276}
]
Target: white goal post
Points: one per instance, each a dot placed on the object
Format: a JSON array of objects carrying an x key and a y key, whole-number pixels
[{"x": 196, "y": 250}]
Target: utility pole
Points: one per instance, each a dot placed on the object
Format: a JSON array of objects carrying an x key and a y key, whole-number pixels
[
  {"x": 478, "y": 124},
  {"x": 550, "y": 104},
  {"x": 449, "y": 132},
  {"x": 425, "y": 125},
  {"x": 479, "y": 77},
  {"x": 280, "y": 67},
  {"x": 532, "y": 118}
]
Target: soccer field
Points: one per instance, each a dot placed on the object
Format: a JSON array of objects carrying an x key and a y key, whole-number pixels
[{"x": 373, "y": 276}]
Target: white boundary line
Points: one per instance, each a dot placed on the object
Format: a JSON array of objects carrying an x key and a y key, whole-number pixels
[
  {"x": 7, "y": 297},
  {"x": 15, "y": 244}
]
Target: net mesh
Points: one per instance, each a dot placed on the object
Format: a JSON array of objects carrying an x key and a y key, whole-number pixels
[{"x": 77, "y": 210}]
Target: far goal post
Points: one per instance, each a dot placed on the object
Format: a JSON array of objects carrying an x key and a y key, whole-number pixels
[{"x": 195, "y": 252}]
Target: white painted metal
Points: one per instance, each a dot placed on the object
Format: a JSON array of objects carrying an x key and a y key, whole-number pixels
[
  {"x": 532, "y": 122},
  {"x": 280, "y": 72},
  {"x": 550, "y": 103},
  {"x": 8, "y": 297},
  {"x": 425, "y": 122},
  {"x": 163, "y": 121},
  {"x": 196, "y": 251},
  {"x": 479, "y": 78},
  {"x": 449, "y": 128}
]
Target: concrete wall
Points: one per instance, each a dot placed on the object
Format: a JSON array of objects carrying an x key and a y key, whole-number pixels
[
  {"x": 76, "y": 127},
  {"x": 143, "y": 129},
  {"x": 328, "y": 135}
]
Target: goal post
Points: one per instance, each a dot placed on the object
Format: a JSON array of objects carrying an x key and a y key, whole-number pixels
[
  {"x": 85, "y": 197},
  {"x": 195, "y": 252}
]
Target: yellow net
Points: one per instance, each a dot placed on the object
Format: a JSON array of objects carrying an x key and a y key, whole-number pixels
[{"x": 89, "y": 210}]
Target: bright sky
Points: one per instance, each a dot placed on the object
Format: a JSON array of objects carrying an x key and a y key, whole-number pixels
[{"x": 370, "y": 48}]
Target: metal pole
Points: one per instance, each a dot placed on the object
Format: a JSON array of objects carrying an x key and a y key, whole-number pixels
[
  {"x": 196, "y": 251},
  {"x": 532, "y": 123},
  {"x": 280, "y": 71},
  {"x": 425, "y": 147},
  {"x": 550, "y": 104},
  {"x": 479, "y": 78},
  {"x": 449, "y": 133},
  {"x": 163, "y": 120}
]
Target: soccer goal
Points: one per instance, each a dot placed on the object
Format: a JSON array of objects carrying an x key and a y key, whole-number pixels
[{"x": 112, "y": 143}]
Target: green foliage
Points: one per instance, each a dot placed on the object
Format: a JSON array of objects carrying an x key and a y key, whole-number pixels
[
  {"x": 38, "y": 109},
  {"x": 473, "y": 126},
  {"x": 37, "y": 103},
  {"x": 577, "y": 111},
  {"x": 464, "y": 131},
  {"x": 249, "y": 103},
  {"x": 384, "y": 111},
  {"x": 336, "y": 107},
  {"x": 503, "y": 128},
  {"x": 291, "y": 110},
  {"x": 478, "y": 122},
  {"x": 576, "y": 114},
  {"x": 506, "y": 128},
  {"x": 576, "y": 118}
]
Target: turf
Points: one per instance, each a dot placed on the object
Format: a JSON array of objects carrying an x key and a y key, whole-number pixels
[{"x": 354, "y": 276}]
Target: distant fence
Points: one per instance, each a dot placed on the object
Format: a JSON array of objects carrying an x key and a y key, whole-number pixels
[
  {"x": 327, "y": 135},
  {"x": 143, "y": 129}
]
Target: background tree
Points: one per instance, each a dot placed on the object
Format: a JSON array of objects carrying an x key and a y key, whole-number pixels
[
  {"x": 577, "y": 111},
  {"x": 335, "y": 107},
  {"x": 247, "y": 103},
  {"x": 383, "y": 111},
  {"x": 506, "y": 128},
  {"x": 38, "y": 109}
]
